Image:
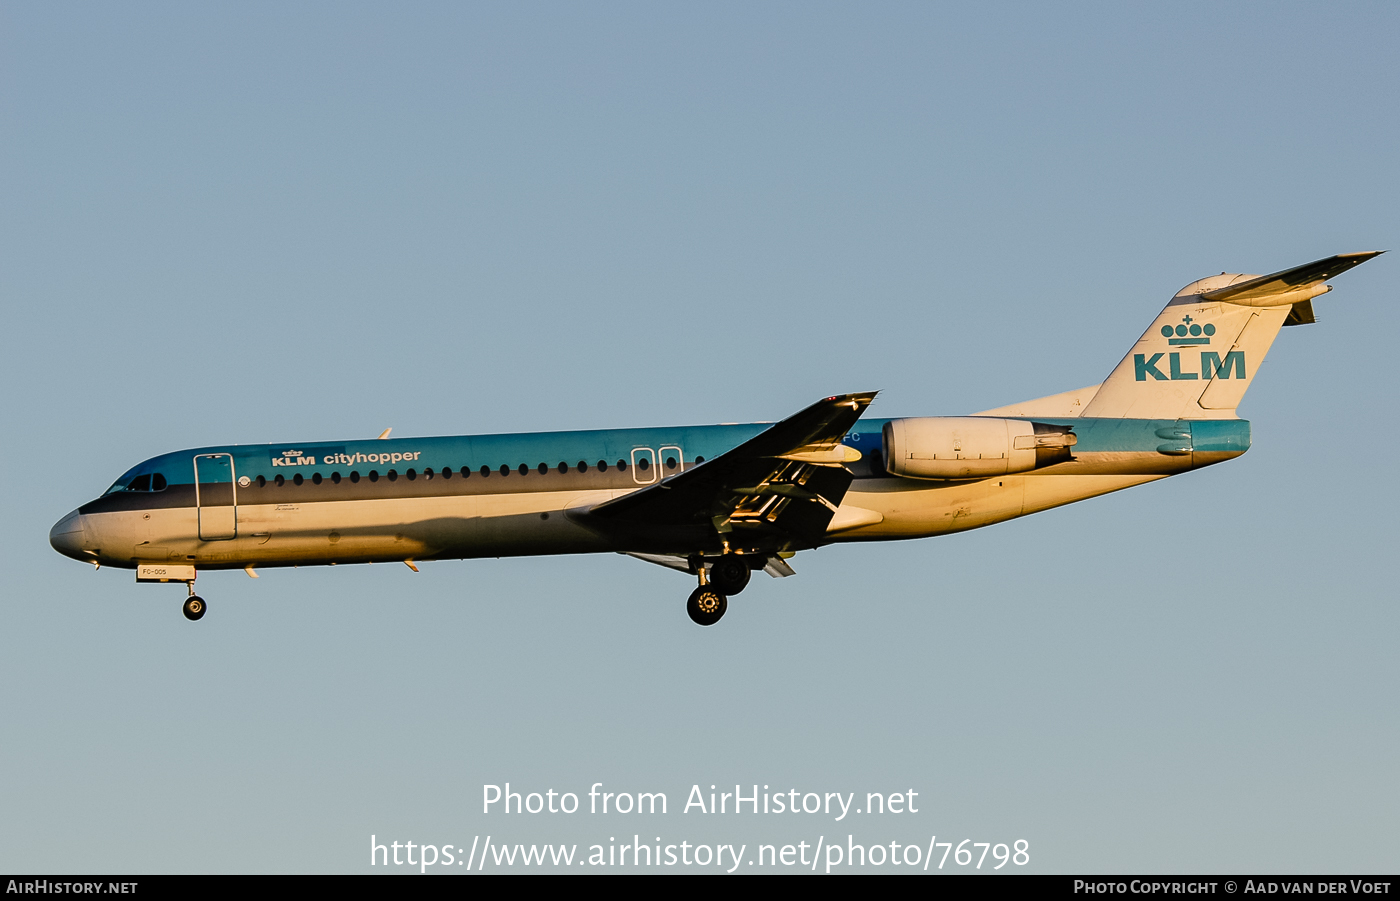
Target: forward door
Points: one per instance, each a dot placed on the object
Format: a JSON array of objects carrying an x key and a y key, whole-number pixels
[{"x": 216, "y": 496}]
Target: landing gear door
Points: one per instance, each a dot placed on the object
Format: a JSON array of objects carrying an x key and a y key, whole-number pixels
[
  {"x": 643, "y": 465},
  {"x": 215, "y": 495}
]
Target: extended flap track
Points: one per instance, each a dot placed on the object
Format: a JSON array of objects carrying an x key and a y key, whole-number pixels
[{"x": 797, "y": 498}]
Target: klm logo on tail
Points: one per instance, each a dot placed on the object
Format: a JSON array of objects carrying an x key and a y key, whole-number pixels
[
  {"x": 1211, "y": 366},
  {"x": 1188, "y": 333}
]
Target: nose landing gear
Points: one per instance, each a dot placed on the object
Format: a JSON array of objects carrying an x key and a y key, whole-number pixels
[{"x": 194, "y": 607}]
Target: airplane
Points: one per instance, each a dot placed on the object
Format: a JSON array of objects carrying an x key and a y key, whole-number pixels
[{"x": 718, "y": 502}]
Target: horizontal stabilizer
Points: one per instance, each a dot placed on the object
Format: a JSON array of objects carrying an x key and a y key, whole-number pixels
[{"x": 1272, "y": 290}]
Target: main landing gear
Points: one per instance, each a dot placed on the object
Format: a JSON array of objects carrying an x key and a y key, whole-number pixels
[
  {"x": 706, "y": 606},
  {"x": 726, "y": 575},
  {"x": 729, "y": 574}
]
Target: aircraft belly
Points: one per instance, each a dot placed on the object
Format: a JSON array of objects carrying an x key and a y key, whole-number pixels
[
  {"x": 353, "y": 531},
  {"x": 914, "y": 509},
  {"x": 1045, "y": 492},
  {"x": 420, "y": 528}
]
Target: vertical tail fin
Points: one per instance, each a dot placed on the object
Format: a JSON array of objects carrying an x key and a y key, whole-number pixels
[{"x": 1199, "y": 356}]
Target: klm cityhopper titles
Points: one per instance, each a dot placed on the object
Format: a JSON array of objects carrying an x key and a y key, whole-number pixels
[{"x": 717, "y": 502}]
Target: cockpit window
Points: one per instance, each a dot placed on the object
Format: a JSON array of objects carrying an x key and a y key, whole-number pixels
[{"x": 147, "y": 482}]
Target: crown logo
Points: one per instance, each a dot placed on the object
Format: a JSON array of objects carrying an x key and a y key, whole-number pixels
[{"x": 1189, "y": 332}]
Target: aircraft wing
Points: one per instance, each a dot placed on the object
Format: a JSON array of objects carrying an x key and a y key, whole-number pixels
[{"x": 784, "y": 483}]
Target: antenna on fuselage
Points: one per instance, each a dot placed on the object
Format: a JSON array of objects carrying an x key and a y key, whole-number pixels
[{"x": 385, "y": 434}]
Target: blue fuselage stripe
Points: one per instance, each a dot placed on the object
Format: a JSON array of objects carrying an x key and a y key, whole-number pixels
[{"x": 609, "y": 447}]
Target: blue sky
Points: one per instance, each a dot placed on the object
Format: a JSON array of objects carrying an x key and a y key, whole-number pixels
[{"x": 271, "y": 222}]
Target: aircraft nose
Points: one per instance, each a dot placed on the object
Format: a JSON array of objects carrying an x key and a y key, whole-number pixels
[{"x": 67, "y": 537}]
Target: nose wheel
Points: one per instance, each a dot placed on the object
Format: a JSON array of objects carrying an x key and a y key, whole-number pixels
[
  {"x": 194, "y": 607},
  {"x": 706, "y": 605}
]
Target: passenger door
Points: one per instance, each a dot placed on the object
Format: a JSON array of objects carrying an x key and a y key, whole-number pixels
[{"x": 215, "y": 496}]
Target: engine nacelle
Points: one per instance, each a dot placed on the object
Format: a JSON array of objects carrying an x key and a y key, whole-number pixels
[{"x": 972, "y": 447}]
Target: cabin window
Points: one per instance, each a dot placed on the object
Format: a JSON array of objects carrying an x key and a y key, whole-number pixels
[
  {"x": 582, "y": 466},
  {"x": 602, "y": 465},
  {"x": 262, "y": 482},
  {"x": 315, "y": 478},
  {"x": 279, "y": 481},
  {"x": 621, "y": 465},
  {"x": 699, "y": 460},
  {"x": 670, "y": 462},
  {"x": 297, "y": 479},
  {"x": 335, "y": 477},
  {"x": 446, "y": 472},
  {"x": 524, "y": 469},
  {"x": 543, "y": 468},
  {"x": 411, "y": 475},
  {"x": 374, "y": 475},
  {"x": 354, "y": 475},
  {"x": 563, "y": 468},
  {"x": 505, "y": 469},
  {"x": 393, "y": 475},
  {"x": 465, "y": 472},
  {"x": 644, "y": 464}
]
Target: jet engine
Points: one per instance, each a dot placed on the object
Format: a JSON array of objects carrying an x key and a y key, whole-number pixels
[{"x": 972, "y": 447}]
